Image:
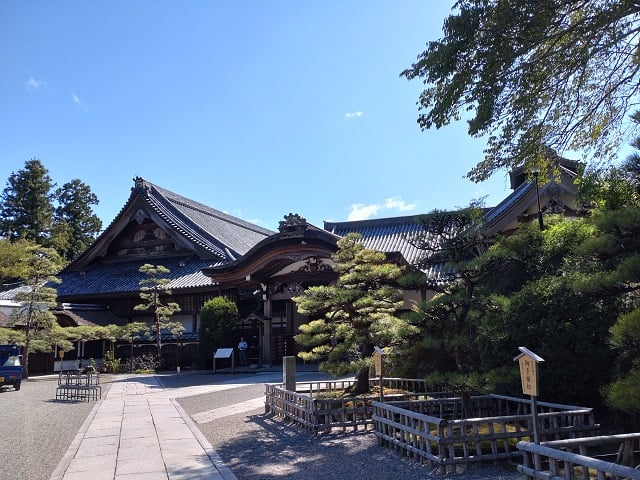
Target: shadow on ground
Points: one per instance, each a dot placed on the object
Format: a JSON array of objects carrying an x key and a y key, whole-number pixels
[{"x": 266, "y": 447}]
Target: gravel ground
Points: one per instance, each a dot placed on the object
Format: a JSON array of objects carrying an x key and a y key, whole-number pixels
[
  {"x": 36, "y": 430},
  {"x": 258, "y": 446}
]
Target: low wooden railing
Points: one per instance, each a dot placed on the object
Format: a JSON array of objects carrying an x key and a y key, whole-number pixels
[
  {"x": 570, "y": 459},
  {"x": 310, "y": 407},
  {"x": 432, "y": 431}
]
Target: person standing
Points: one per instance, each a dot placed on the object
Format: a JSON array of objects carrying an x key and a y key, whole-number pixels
[{"x": 242, "y": 347}]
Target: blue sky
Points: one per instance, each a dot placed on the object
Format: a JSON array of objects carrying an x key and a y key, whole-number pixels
[{"x": 256, "y": 108}]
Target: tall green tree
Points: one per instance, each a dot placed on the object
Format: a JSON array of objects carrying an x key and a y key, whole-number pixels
[
  {"x": 557, "y": 292},
  {"x": 218, "y": 317},
  {"x": 37, "y": 270},
  {"x": 75, "y": 223},
  {"x": 154, "y": 291},
  {"x": 355, "y": 314},
  {"x": 26, "y": 204},
  {"x": 559, "y": 73}
]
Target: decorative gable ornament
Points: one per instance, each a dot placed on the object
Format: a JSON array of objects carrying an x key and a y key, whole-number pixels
[
  {"x": 141, "y": 216},
  {"x": 292, "y": 223},
  {"x": 139, "y": 184}
]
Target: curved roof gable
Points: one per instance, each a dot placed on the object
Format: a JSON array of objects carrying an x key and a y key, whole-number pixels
[
  {"x": 204, "y": 231},
  {"x": 297, "y": 241}
]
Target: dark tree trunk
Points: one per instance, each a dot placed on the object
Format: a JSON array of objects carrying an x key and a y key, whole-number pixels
[{"x": 362, "y": 381}]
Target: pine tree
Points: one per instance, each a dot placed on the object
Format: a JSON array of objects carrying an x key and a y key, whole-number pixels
[
  {"x": 354, "y": 315},
  {"x": 153, "y": 289},
  {"x": 26, "y": 207},
  {"x": 37, "y": 269},
  {"x": 75, "y": 224}
]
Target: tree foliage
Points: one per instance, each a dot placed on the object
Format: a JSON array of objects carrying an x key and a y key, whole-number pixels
[
  {"x": 557, "y": 292},
  {"x": 355, "y": 314},
  {"x": 449, "y": 321},
  {"x": 558, "y": 73},
  {"x": 218, "y": 317},
  {"x": 26, "y": 208},
  {"x": 154, "y": 291},
  {"x": 62, "y": 218},
  {"x": 36, "y": 268},
  {"x": 75, "y": 224}
]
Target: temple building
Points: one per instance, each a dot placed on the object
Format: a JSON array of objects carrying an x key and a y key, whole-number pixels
[{"x": 210, "y": 253}]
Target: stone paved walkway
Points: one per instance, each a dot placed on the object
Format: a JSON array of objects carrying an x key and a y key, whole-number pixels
[{"x": 137, "y": 432}]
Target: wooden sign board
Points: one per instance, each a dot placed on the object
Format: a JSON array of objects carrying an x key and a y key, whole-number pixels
[
  {"x": 528, "y": 362},
  {"x": 528, "y": 375},
  {"x": 377, "y": 360}
]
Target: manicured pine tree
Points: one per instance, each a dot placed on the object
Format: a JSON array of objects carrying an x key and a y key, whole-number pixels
[
  {"x": 355, "y": 314},
  {"x": 37, "y": 270},
  {"x": 153, "y": 290}
]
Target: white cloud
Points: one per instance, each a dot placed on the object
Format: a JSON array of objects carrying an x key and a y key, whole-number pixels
[
  {"x": 360, "y": 211},
  {"x": 33, "y": 84},
  {"x": 353, "y": 114},
  {"x": 78, "y": 102},
  {"x": 396, "y": 203}
]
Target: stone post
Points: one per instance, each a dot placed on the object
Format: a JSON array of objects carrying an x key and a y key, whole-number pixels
[{"x": 289, "y": 373}]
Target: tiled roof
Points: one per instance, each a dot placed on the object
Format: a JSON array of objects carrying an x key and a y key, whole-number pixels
[
  {"x": 9, "y": 293},
  {"x": 124, "y": 277},
  {"x": 211, "y": 233},
  {"x": 206, "y": 226},
  {"x": 90, "y": 317},
  {"x": 505, "y": 205},
  {"x": 388, "y": 235}
]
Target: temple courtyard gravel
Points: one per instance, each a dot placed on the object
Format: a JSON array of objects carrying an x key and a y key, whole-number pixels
[{"x": 227, "y": 412}]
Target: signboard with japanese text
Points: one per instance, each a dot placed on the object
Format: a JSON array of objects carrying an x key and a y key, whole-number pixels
[
  {"x": 528, "y": 362},
  {"x": 528, "y": 375}
]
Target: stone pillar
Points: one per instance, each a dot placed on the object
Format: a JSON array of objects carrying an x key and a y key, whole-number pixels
[{"x": 289, "y": 373}]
